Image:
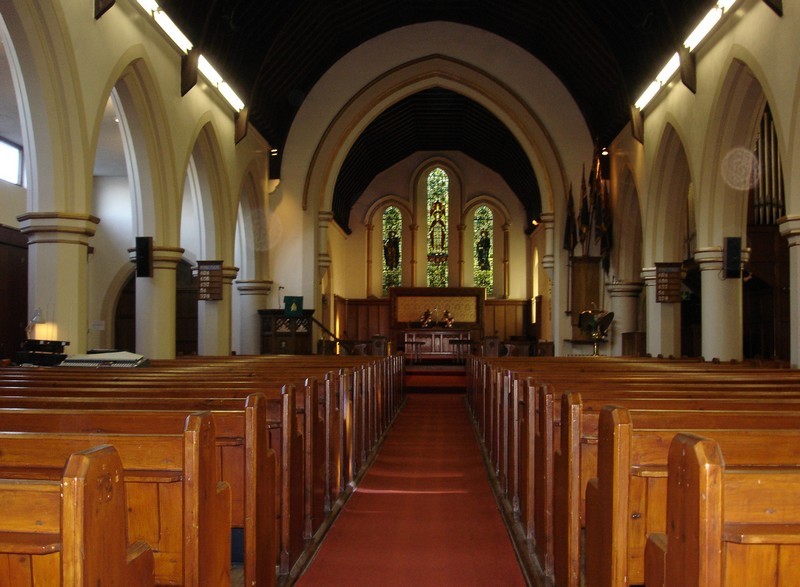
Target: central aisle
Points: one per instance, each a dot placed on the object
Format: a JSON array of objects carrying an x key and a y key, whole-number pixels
[{"x": 424, "y": 514}]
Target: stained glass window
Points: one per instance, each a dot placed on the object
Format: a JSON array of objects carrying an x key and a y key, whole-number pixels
[
  {"x": 392, "y": 264},
  {"x": 483, "y": 264},
  {"x": 438, "y": 188}
]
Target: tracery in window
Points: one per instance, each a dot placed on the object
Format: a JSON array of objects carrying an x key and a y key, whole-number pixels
[
  {"x": 483, "y": 265},
  {"x": 438, "y": 190},
  {"x": 392, "y": 264}
]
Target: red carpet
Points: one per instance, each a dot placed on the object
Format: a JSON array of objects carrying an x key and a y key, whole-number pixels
[{"x": 424, "y": 514}]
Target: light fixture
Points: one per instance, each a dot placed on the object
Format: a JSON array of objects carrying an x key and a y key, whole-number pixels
[
  {"x": 700, "y": 32},
  {"x": 185, "y": 45},
  {"x": 36, "y": 318}
]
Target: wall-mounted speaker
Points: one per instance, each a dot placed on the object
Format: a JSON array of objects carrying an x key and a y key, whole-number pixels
[
  {"x": 732, "y": 257},
  {"x": 144, "y": 256}
]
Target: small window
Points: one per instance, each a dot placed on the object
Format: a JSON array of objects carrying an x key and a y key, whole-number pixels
[
  {"x": 392, "y": 266},
  {"x": 483, "y": 266},
  {"x": 10, "y": 162}
]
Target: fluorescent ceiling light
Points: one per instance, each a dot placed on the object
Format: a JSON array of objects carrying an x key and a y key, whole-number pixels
[
  {"x": 208, "y": 70},
  {"x": 172, "y": 30},
  {"x": 149, "y": 5},
  {"x": 648, "y": 95},
  {"x": 692, "y": 41},
  {"x": 669, "y": 69},
  {"x": 702, "y": 30},
  {"x": 185, "y": 45},
  {"x": 230, "y": 96}
]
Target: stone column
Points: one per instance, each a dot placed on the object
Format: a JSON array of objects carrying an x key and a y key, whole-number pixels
[
  {"x": 58, "y": 245},
  {"x": 548, "y": 261},
  {"x": 155, "y": 305},
  {"x": 506, "y": 259},
  {"x": 663, "y": 320},
  {"x": 461, "y": 253},
  {"x": 252, "y": 298},
  {"x": 625, "y": 305},
  {"x": 721, "y": 322},
  {"x": 369, "y": 228},
  {"x": 414, "y": 228},
  {"x": 214, "y": 319},
  {"x": 790, "y": 228}
]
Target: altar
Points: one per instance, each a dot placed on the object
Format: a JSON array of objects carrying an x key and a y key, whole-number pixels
[
  {"x": 436, "y": 338},
  {"x": 435, "y": 343}
]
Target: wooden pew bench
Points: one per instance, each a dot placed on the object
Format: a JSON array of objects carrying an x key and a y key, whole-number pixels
[
  {"x": 726, "y": 525},
  {"x": 545, "y": 448},
  {"x": 575, "y": 457},
  {"x": 351, "y": 415},
  {"x": 247, "y": 463},
  {"x": 175, "y": 502},
  {"x": 72, "y": 531},
  {"x": 627, "y": 500}
]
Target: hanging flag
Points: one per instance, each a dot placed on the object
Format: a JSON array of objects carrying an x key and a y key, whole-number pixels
[
  {"x": 584, "y": 218},
  {"x": 607, "y": 226},
  {"x": 570, "y": 227}
]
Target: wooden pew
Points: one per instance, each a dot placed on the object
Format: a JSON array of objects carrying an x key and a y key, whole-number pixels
[
  {"x": 511, "y": 447},
  {"x": 293, "y": 484},
  {"x": 726, "y": 525},
  {"x": 628, "y": 498},
  {"x": 546, "y": 435},
  {"x": 175, "y": 502},
  {"x": 326, "y": 477},
  {"x": 575, "y": 458},
  {"x": 247, "y": 463},
  {"x": 72, "y": 531}
]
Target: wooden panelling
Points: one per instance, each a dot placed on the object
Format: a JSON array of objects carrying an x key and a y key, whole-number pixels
[
  {"x": 361, "y": 319},
  {"x": 13, "y": 290}
]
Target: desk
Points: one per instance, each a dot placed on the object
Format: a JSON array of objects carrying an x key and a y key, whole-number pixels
[{"x": 434, "y": 343}]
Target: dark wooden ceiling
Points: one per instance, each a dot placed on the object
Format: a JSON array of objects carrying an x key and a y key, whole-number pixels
[{"x": 272, "y": 52}]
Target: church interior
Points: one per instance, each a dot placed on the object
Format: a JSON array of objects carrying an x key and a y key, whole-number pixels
[{"x": 347, "y": 214}]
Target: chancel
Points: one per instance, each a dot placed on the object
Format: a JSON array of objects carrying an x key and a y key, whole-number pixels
[{"x": 342, "y": 228}]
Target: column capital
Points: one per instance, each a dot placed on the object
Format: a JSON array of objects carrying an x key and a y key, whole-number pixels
[
  {"x": 790, "y": 228},
  {"x": 709, "y": 258},
  {"x": 229, "y": 274},
  {"x": 648, "y": 274},
  {"x": 163, "y": 257},
  {"x": 547, "y": 218},
  {"x": 58, "y": 227},
  {"x": 624, "y": 289},
  {"x": 253, "y": 287},
  {"x": 325, "y": 216}
]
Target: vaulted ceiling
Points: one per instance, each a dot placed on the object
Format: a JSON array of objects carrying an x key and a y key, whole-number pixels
[{"x": 273, "y": 52}]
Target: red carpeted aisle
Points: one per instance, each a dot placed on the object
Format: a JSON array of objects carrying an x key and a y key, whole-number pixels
[{"x": 424, "y": 514}]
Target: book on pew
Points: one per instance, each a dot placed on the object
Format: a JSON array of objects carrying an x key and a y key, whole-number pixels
[{"x": 110, "y": 359}]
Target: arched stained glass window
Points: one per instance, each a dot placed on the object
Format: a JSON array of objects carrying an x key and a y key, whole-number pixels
[
  {"x": 392, "y": 265},
  {"x": 483, "y": 264},
  {"x": 438, "y": 188}
]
